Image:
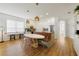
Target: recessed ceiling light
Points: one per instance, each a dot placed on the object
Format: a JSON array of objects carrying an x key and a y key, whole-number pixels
[{"x": 46, "y": 13}]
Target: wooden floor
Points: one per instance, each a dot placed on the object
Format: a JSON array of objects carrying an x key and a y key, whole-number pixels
[{"x": 21, "y": 47}]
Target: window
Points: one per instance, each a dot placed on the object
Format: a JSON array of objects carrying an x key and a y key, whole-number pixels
[
  {"x": 19, "y": 26},
  {"x": 15, "y": 26},
  {"x": 11, "y": 26}
]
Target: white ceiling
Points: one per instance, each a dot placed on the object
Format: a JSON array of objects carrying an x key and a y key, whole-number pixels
[{"x": 53, "y": 9}]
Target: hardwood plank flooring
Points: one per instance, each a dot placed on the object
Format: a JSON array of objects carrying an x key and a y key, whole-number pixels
[{"x": 21, "y": 47}]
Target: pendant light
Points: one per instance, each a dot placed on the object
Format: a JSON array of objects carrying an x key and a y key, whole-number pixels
[{"x": 37, "y": 17}]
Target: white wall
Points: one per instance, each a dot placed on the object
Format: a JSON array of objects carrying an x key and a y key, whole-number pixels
[
  {"x": 3, "y": 19},
  {"x": 70, "y": 27},
  {"x": 75, "y": 37},
  {"x": 56, "y": 30},
  {"x": 44, "y": 24},
  {"x": 70, "y": 30}
]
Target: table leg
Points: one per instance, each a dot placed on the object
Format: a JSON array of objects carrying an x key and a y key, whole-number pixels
[
  {"x": 34, "y": 43},
  {"x": 12, "y": 37}
]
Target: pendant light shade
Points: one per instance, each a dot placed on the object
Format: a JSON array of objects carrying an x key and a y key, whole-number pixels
[{"x": 37, "y": 18}]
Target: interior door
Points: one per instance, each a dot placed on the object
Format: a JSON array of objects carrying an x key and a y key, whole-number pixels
[
  {"x": 62, "y": 29},
  {"x": 62, "y": 32}
]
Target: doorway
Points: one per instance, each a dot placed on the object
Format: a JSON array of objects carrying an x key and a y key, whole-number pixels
[{"x": 62, "y": 32}]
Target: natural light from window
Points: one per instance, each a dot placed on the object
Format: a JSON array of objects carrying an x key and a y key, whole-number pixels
[{"x": 15, "y": 26}]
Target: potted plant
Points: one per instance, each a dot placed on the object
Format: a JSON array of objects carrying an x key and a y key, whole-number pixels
[{"x": 77, "y": 10}]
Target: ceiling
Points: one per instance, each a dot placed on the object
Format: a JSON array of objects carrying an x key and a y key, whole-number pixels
[{"x": 51, "y": 9}]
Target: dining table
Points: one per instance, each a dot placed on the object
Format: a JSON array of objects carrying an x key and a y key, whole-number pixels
[{"x": 34, "y": 38}]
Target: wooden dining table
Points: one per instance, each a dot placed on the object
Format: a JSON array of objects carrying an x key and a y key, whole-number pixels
[{"x": 34, "y": 38}]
